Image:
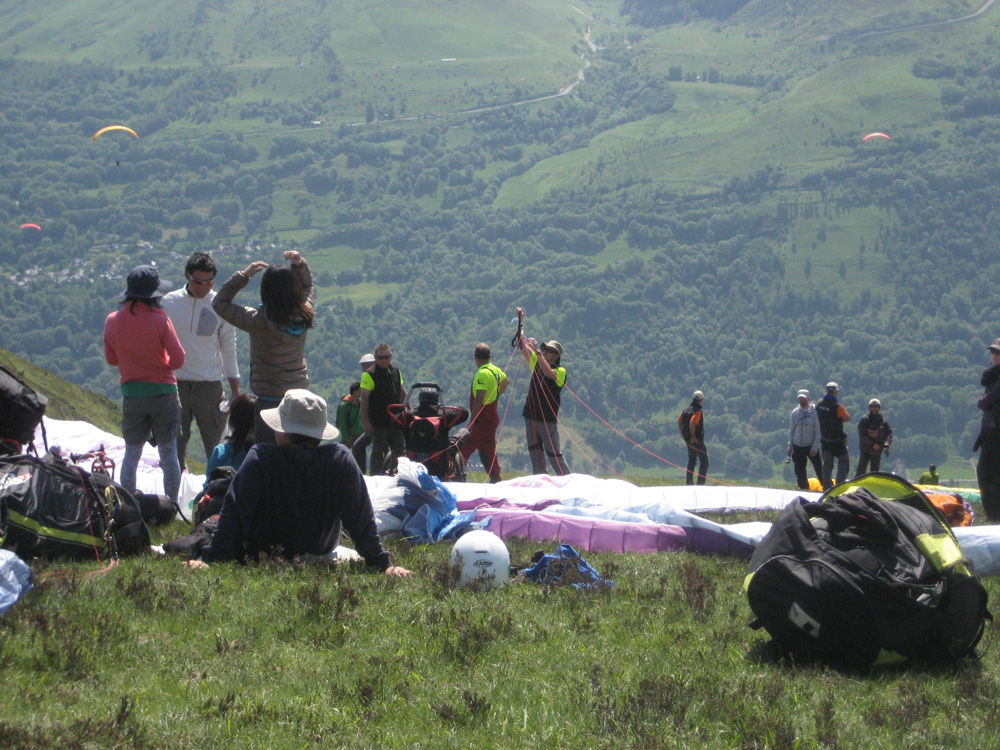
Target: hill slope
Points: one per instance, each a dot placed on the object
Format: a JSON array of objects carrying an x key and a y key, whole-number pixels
[
  {"x": 699, "y": 212},
  {"x": 67, "y": 401}
]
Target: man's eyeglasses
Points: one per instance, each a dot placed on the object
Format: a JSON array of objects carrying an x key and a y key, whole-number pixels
[
  {"x": 201, "y": 282},
  {"x": 548, "y": 350},
  {"x": 383, "y": 356}
]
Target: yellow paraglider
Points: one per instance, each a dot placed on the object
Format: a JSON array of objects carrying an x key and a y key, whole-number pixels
[{"x": 115, "y": 127}]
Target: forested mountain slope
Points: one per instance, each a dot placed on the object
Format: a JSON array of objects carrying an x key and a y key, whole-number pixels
[{"x": 699, "y": 212}]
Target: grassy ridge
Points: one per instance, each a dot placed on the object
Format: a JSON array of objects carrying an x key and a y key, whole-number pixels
[
  {"x": 271, "y": 656},
  {"x": 66, "y": 400}
]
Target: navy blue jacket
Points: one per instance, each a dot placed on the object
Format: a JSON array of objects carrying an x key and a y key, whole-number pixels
[{"x": 296, "y": 499}]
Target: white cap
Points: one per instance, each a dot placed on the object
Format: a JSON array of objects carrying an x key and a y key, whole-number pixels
[
  {"x": 698, "y": 396},
  {"x": 301, "y": 413},
  {"x": 802, "y": 394},
  {"x": 831, "y": 386},
  {"x": 367, "y": 359},
  {"x": 875, "y": 402}
]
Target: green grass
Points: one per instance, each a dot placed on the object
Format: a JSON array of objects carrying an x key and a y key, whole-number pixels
[{"x": 152, "y": 654}]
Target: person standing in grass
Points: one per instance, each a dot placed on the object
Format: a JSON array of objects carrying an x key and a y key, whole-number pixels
[
  {"x": 803, "y": 440},
  {"x": 294, "y": 497},
  {"x": 488, "y": 385},
  {"x": 381, "y": 386},
  {"x": 541, "y": 408},
  {"x": 277, "y": 329},
  {"x": 210, "y": 348},
  {"x": 874, "y": 438},
  {"x": 833, "y": 439},
  {"x": 140, "y": 341},
  {"x": 988, "y": 442},
  {"x": 691, "y": 424}
]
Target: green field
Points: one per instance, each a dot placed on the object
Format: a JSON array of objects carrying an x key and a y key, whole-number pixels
[{"x": 151, "y": 654}]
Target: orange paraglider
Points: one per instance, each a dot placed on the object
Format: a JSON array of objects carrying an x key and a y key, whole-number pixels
[
  {"x": 115, "y": 127},
  {"x": 31, "y": 226},
  {"x": 876, "y": 135}
]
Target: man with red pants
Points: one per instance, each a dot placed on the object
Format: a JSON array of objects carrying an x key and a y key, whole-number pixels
[{"x": 488, "y": 385}]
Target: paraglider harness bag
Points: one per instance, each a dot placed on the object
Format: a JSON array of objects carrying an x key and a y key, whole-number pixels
[
  {"x": 58, "y": 511},
  {"x": 871, "y": 574}
]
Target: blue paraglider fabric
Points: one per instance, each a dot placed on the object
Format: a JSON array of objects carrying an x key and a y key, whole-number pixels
[
  {"x": 15, "y": 579},
  {"x": 429, "y": 508},
  {"x": 566, "y": 562}
]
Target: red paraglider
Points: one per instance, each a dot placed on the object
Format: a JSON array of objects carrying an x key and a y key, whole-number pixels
[
  {"x": 876, "y": 135},
  {"x": 31, "y": 226}
]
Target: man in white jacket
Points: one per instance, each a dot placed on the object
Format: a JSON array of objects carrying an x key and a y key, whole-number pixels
[
  {"x": 803, "y": 439},
  {"x": 210, "y": 347}
]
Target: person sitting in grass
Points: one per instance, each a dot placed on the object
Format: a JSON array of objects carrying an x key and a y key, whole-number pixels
[{"x": 293, "y": 497}]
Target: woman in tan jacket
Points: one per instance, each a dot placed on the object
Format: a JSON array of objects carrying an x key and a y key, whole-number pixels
[{"x": 277, "y": 329}]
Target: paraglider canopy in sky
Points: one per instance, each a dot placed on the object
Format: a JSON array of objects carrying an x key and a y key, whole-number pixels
[
  {"x": 876, "y": 135},
  {"x": 115, "y": 127},
  {"x": 31, "y": 226}
]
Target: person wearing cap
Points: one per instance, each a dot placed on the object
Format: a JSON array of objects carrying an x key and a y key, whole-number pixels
[
  {"x": 803, "y": 440},
  {"x": 488, "y": 384},
  {"x": 691, "y": 423},
  {"x": 381, "y": 386},
  {"x": 541, "y": 409},
  {"x": 832, "y": 438},
  {"x": 988, "y": 442},
  {"x": 140, "y": 341},
  {"x": 874, "y": 438},
  {"x": 293, "y": 497},
  {"x": 930, "y": 477},
  {"x": 210, "y": 346}
]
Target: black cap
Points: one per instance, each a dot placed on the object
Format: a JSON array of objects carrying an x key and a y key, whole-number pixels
[{"x": 144, "y": 283}]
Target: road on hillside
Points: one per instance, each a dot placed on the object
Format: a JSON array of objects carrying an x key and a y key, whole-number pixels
[{"x": 929, "y": 25}]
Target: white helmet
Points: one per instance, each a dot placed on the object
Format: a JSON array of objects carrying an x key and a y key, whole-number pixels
[{"x": 481, "y": 556}]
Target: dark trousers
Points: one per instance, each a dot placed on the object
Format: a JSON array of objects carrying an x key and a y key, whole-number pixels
[
  {"x": 697, "y": 454},
  {"x": 800, "y": 455},
  {"x": 388, "y": 444},
  {"x": 874, "y": 459},
  {"x": 838, "y": 451},
  {"x": 988, "y": 475},
  {"x": 359, "y": 451}
]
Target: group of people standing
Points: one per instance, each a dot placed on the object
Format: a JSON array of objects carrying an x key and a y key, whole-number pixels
[
  {"x": 816, "y": 434},
  {"x": 174, "y": 350},
  {"x": 363, "y": 418}
]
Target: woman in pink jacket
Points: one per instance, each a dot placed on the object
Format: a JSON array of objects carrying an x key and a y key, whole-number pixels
[{"x": 140, "y": 341}]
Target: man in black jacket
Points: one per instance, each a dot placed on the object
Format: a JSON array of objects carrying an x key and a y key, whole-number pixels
[
  {"x": 381, "y": 386},
  {"x": 294, "y": 496},
  {"x": 874, "y": 438},
  {"x": 988, "y": 442}
]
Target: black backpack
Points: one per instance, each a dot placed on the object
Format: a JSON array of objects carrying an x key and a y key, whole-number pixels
[
  {"x": 208, "y": 502},
  {"x": 58, "y": 510},
  {"x": 21, "y": 411},
  {"x": 871, "y": 574}
]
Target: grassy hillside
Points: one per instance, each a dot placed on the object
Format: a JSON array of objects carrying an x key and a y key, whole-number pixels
[
  {"x": 152, "y": 655},
  {"x": 699, "y": 211},
  {"x": 66, "y": 400}
]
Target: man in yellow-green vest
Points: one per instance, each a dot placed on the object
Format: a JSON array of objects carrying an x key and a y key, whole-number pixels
[{"x": 488, "y": 385}]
